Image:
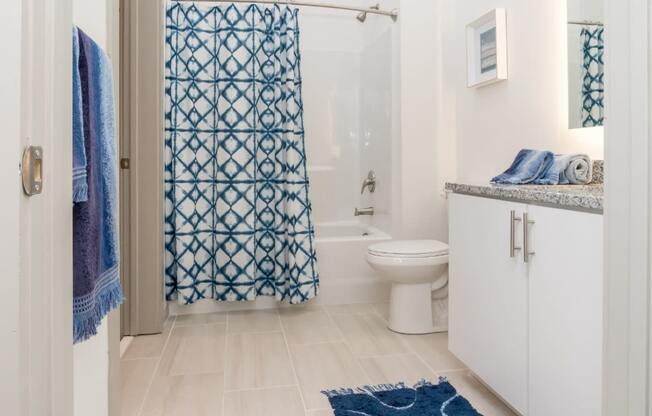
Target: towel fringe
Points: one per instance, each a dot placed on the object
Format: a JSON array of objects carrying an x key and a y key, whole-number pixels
[
  {"x": 86, "y": 326},
  {"x": 80, "y": 192},
  {"x": 379, "y": 388}
]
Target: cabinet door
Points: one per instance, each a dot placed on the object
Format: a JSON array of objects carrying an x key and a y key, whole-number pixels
[
  {"x": 565, "y": 323},
  {"x": 488, "y": 295}
]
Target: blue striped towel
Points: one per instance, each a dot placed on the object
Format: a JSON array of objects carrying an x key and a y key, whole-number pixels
[
  {"x": 576, "y": 169},
  {"x": 528, "y": 166},
  {"x": 79, "y": 175},
  {"x": 96, "y": 256}
]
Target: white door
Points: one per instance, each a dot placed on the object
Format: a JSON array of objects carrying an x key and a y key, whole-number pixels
[
  {"x": 36, "y": 232},
  {"x": 565, "y": 312},
  {"x": 488, "y": 294}
]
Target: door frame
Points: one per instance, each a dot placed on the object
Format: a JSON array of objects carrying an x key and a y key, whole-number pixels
[
  {"x": 142, "y": 192},
  {"x": 628, "y": 225},
  {"x": 113, "y": 47}
]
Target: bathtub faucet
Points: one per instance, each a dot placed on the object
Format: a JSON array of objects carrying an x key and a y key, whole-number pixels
[
  {"x": 369, "y": 182},
  {"x": 364, "y": 211}
]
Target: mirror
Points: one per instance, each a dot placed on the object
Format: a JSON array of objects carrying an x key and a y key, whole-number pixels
[{"x": 585, "y": 63}]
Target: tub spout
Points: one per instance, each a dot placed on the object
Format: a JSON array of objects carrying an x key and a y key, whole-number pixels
[{"x": 364, "y": 211}]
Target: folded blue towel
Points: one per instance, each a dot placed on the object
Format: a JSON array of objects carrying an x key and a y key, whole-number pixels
[
  {"x": 528, "y": 166},
  {"x": 79, "y": 176},
  {"x": 567, "y": 169},
  {"x": 580, "y": 170},
  {"x": 96, "y": 257}
]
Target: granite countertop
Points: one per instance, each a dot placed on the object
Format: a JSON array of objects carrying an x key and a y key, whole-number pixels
[{"x": 576, "y": 197}]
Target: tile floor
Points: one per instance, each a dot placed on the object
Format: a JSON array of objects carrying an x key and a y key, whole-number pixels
[{"x": 276, "y": 362}]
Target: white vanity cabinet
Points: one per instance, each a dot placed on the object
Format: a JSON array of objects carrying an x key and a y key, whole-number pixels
[
  {"x": 528, "y": 326},
  {"x": 488, "y": 296}
]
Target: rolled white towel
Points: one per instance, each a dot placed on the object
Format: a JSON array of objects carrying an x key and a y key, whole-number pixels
[{"x": 579, "y": 170}]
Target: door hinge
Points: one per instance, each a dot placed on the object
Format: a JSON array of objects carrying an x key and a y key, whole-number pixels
[{"x": 124, "y": 163}]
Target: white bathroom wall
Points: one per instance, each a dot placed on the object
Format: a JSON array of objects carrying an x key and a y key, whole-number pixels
[
  {"x": 427, "y": 146},
  {"x": 580, "y": 10},
  {"x": 91, "y": 16},
  {"x": 91, "y": 358},
  {"x": 450, "y": 132},
  {"x": 528, "y": 110}
]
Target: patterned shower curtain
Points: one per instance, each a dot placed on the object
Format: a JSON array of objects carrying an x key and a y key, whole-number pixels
[
  {"x": 592, "y": 77},
  {"x": 238, "y": 217}
]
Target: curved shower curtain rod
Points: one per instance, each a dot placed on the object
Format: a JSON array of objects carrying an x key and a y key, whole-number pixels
[{"x": 361, "y": 17}]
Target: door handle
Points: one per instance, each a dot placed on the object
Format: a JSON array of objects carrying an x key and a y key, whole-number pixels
[
  {"x": 513, "y": 219},
  {"x": 526, "y": 237},
  {"x": 31, "y": 170}
]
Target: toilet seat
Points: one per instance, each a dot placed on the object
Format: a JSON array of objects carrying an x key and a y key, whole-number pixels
[
  {"x": 397, "y": 261},
  {"x": 409, "y": 249}
]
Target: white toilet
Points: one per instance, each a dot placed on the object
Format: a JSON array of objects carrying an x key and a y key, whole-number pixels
[{"x": 415, "y": 269}]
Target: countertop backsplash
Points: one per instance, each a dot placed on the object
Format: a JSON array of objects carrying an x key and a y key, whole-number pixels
[{"x": 598, "y": 172}]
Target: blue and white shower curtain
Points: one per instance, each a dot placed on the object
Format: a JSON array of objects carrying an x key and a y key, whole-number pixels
[
  {"x": 238, "y": 216},
  {"x": 592, "y": 76}
]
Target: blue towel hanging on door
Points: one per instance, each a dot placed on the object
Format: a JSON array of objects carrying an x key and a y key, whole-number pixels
[{"x": 96, "y": 257}]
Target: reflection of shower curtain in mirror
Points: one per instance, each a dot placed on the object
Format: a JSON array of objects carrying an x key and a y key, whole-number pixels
[
  {"x": 592, "y": 77},
  {"x": 238, "y": 217}
]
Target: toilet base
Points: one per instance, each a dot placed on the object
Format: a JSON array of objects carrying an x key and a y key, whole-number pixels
[{"x": 410, "y": 309}]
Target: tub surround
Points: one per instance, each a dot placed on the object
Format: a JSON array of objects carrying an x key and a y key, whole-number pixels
[{"x": 576, "y": 197}]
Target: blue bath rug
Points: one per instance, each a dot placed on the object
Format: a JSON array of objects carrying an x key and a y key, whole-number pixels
[{"x": 424, "y": 399}]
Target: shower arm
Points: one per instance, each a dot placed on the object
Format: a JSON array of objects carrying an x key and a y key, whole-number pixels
[{"x": 393, "y": 14}]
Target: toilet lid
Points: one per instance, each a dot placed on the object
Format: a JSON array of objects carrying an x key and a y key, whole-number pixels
[{"x": 410, "y": 248}]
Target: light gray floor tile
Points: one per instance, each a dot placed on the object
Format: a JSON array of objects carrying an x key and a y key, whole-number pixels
[
  {"x": 308, "y": 325},
  {"x": 257, "y": 360},
  {"x": 253, "y": 321},
  {"x": 282, "y": 401},
  {"x": 477, "y": 394},
  {"x": 194, "y": 350},
  {"x": 196, "y": 395},
  {"x": 149, "y": 346},
  {"x": 367, "y": 334},
  {"x": 135, "y": 377},
  {"x": 200, "y": 319},
  {"x": 392, "y": 369},
  {"x": 250, "y": 371},
  {"x": 325, "y": 366},
  {"x": 433, "y": 349}
]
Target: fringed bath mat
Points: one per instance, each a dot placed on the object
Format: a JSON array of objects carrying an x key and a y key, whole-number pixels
[{"x": 424, "y": 399}]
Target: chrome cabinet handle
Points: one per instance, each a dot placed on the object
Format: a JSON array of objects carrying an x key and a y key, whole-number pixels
[
  {"x": 526, "y": 236},
  {"x": 513, "y": 219}
]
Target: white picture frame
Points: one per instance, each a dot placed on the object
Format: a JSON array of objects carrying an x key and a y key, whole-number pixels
[{"x": 486, "y": 49}]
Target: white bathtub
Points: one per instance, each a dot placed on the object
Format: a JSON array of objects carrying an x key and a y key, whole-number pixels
[
  {"x": 345, "y": 277},
  {"x": 345, "y": 231}
]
